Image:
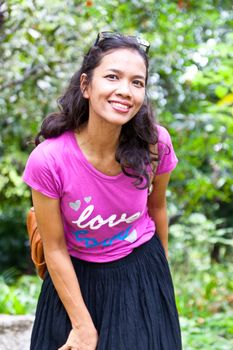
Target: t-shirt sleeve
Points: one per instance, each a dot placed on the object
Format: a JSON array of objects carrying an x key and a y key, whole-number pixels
[
  {"x": 167, "y": 157},
  {"x": 41, "y": 173}
]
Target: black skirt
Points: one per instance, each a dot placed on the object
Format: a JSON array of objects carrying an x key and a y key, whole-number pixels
[{"x": 131, "y": 302}]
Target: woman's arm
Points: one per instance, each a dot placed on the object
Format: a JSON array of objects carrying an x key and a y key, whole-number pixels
[
  {"x": 59, "y": 264},
  {"x": 157, "y": 207}
]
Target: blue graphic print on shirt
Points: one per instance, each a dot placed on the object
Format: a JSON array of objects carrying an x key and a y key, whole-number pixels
[{"x": 92, "y": 242}]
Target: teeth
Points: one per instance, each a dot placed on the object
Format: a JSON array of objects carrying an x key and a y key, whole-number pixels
[{"x": 117, "y": 104}]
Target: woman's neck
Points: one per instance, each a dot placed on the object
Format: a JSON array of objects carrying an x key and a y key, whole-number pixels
[{"x": 100, "y": 138}]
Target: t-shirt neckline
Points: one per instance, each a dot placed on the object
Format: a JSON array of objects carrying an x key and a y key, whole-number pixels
[{"x": 88, "y": 165}]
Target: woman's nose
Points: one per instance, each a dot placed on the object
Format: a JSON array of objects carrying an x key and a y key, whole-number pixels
[{"x": 124, "y": 89}]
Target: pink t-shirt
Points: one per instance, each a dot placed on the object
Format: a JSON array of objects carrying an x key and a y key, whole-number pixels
[{"x": 105, "y": 217}]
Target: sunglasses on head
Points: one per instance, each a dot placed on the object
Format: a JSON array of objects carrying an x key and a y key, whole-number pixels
[{"x": 144, "y": 44}]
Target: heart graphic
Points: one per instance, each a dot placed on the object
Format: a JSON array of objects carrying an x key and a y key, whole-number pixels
[
  {"x": 75, "y": 205},
  {"x": 132, "y": 237},
  {"x": 88, "y": 199}
]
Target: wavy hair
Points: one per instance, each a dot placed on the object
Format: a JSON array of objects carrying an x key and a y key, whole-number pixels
[{"x": 134, "y": 151}]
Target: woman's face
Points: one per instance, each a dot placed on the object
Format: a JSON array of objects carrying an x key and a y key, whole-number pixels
[{"x": 117, "y": 88}]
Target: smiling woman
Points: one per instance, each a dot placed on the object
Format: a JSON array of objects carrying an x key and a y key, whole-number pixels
[
  {"x": 115, "y": 92},
  {"x": 104, "y": 231}
]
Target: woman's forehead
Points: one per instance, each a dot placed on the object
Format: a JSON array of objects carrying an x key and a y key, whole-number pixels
[{"x": 123, "y": 60}]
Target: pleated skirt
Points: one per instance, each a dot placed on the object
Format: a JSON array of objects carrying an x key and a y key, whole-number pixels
[{"x": 131, "y": 302}]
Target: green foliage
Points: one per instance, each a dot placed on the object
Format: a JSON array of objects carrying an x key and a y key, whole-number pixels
[
  {"x": 204, "y": 289},
  {"x": 204, "y": 299},
  {"x": 21, "y": 297},
  {"x": 194, "y": 238},
  {"x": 13, "y": 240},
  {"x": 207, "y": 334}
]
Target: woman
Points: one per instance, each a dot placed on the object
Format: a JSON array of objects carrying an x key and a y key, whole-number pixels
[{"x": 108, "y": 285}]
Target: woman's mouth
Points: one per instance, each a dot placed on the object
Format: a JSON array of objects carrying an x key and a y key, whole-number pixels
[{"x": 120, "y": 107}]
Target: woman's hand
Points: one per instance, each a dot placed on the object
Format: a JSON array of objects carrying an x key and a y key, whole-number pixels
[{"x": 83, "y": 338}]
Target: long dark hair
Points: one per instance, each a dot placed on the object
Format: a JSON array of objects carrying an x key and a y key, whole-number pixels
[{"x": 133, "y": 152}]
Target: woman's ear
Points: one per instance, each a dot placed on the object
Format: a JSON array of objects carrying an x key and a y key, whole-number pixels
[{"x": 84, "y": 85}]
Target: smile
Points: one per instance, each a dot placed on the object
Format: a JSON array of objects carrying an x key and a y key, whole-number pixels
[{"x": 120, "y": 106}]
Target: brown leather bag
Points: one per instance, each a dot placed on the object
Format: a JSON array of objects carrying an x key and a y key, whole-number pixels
[{"x": 36, "y": 245}]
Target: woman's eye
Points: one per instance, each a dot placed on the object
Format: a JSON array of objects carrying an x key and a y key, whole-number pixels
[
  {"x": 138, "y": 83},
  {"x": 111, "y": 76}
]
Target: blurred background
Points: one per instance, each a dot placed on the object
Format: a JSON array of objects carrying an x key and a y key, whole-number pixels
[{"x": 191, "y": 89}]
